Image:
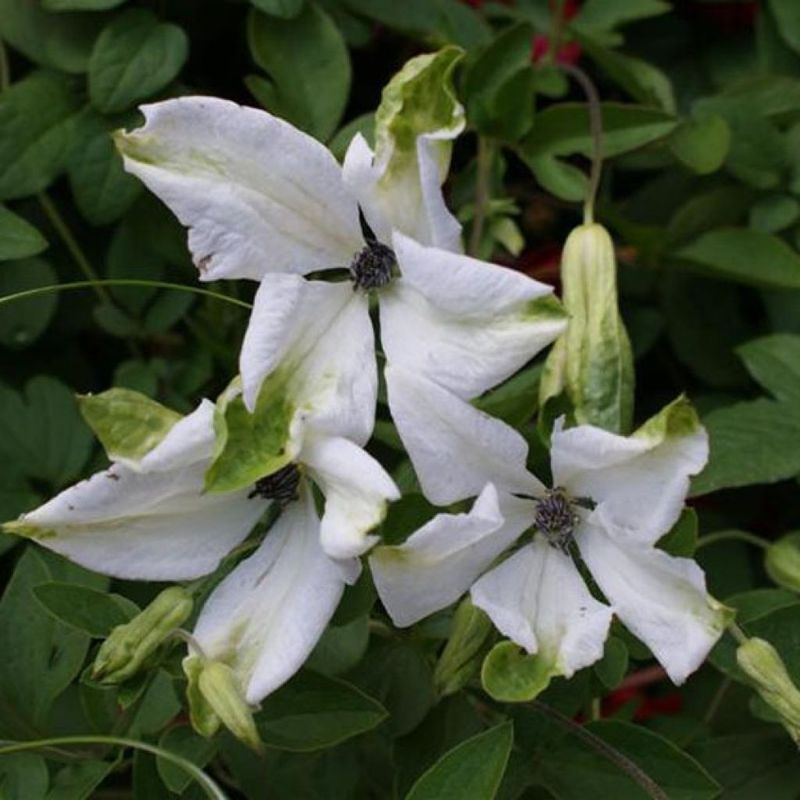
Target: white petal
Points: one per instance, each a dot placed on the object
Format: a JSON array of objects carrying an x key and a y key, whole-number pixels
[
  {"x": 315, "y": 339},
  {"x": 264, "y": 619},
  {"x": 257, "y": 195},
  {"x": 455, "y": 448},
  {"x": 537, "y": 598},
  {"x": 356, "y": 489},
  {"x": 409, "y": 200},
  {"x": 464, "y": 323},
  {"x": 660, "y": 598},
  {"x": 190, "y": 440},
  {"x": 640, "y": 483},
  {"x": 144, "y": 525},
  {"x": 440, "y": 561}
]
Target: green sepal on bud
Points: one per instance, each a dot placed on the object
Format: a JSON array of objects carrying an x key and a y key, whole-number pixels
[
  {"x": 591, "y": 363},
  {"x": 215, "y": 697},
  {"x": 762, "y": 664},
  {"x": 128, "y": 646},
  {"x": 462, "y": 655},
  {"x": 782, "y": 561}
]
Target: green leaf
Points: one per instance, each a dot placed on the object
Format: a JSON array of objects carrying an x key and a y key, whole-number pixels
[
  {"x": 78, "y": 781},
  {"x": 774, "y": 361},
  {"x": 681, "y": 540},
  {"x": 313, "y": 712},
  {"x": 364, "y": 124},
  {"x": 182, "y": 741},
  {"x": 604, "y": 16},
  {"x": 612, "y": 667},
  {"x": 61, "y": 41},
  {"x": 307, "y": 59},
  {"x": 340, "y": 648},
  {"x": 23, "y": 776},
  {"x": 35, "y": 134},
  {"x": 516, "y": 400},
  {"x": 134, "y": 57},
  {"x": 128, "y": 424},
  {"x": 473, "y": 769},
  {"x": 286, "y": 9},
  {"x": 745, "y": 256},
  {"x": 702, "y": 144},
  {"x": 774, "y": 213},
  {"x": 787, "y": 17},
  {"x": 18, "y": 238},
  {"x": 575, "y": 771},
  {"x": 412, "y": 15},
  {"x": 22, "y": 322},
  {"x": 80, "y": 5},
  {"x": 85, "y": 609}
]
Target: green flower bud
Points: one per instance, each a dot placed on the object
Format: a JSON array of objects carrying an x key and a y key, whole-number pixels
[
  {"x": 782, "y": 561},
  {"x": 128, "y": 646},
  {"x": 762, "y": 664},
  {"x": 462, "y": 655}
]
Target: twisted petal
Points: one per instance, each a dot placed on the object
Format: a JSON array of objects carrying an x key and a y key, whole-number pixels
[
  {"x": 463, "y": 323},
  {"x": 660, "y": 598},
  {"x": 357, "y": 490},
  {"x": 640, "y": 482},
  {"x": 265, "y": 618},
  {"x": 455, "y": 448},
  {"x": 537, "y": 598},
  {"x": 257, "y": 195},
  {"x": 440, "y": 561}
]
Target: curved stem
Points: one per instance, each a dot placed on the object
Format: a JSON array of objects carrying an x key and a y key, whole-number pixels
[
  {"x": 208, "y": 786},
  {"x": 60, "y": 287},
  {"x": 604, "y": 749},
  {"x": 483, "y": 178},
  {"x": 596, "y": 125},
  {"x": 739, "y": 536}
]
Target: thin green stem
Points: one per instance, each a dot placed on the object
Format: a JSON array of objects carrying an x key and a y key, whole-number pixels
[
  {"x": 716, "y": 700},
  {"x": 732, "y": 535},
  {"x": 737, "y": 633},
  {"x": 596, "y": 126},
  {"x": 208, "y": 786},
  {"x": 604, "y": 749},
  {"x": 60, "y": 287},
  {"x": 483, "y": 179}
]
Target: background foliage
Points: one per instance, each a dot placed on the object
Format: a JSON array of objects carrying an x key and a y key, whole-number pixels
[{"x": 701, "y": 110}]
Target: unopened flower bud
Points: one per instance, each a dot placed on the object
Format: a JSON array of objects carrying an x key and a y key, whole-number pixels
[
  {"x": 128, "y": 646},
  {"x": 782, "y": 561},
  {"x": 462, "y": 655},
  {"x": 763, "y": 665}
]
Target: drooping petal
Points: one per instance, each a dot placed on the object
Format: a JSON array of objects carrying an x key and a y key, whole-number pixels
[
  {"x": 537, "y": 598},
  {"x": 257, "y": 195},
  {"x": 440, "y": 561},
  {"x": 639, "y": 482},
  {"x": 356, "y": 488},
  {"x": 156, "y": 525},
  {"x": 315, "y": 341},
  {"x": 455, "y": 448},
  {"x": 189, "y": 441},
  {"x": 264, "y": 619},
  {"x": 463, "y": 323},
  {"x": 659, "y": 598}
]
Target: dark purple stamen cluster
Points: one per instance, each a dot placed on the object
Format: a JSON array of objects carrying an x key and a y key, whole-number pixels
[
  {"x": 372, "y": 266},
  {"x": 556, "y": 517},
  {"x": 281, "y": 486}
]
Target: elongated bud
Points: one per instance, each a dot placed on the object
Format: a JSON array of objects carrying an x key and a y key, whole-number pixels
[
  {"x": 128, "y": 646},
  {"x": 782, "y": 561},
  {"x": 761, "y": 663},
  {"x": 464, "y": 651},
  {"x": 592, "y": 362},
  {"x": 215, "y": 697}
]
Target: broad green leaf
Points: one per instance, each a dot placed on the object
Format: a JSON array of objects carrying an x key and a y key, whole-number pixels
[
  {"x": 78, "y": 781},
  {"x": 787, "y": 17},
  {"x": 365, "y": 125},
  {"x": 774, "y": 361},
  {"x": 23, "y": 776},
  {"x": 745, "y": 256},
  {"x": 575, "y": 771},
  {"x": 85, "y": 609},
  {"x": 308, "y": 62},
  {"x": 604, "y": 16},
  {"x": 23, "y": 321},
  {"x": 702, "y": 144},
  {"x": 612, "y": 667},
  {"x": 80, "y": 5},
  {"x": 313, "y": 712},
  {"x": 286, "y": 9},
  {"x": 60, "y": 41},
  {"x": 340, "y": 648},
  {"x": 182, "y": 741},
  {"x": 18, "y": 238},
  {"x": 472, "y": 770},
  {"x": 35, "y": 116},
  {"x": 510, "y": 675},
  {"x": 134, "y": 57},
  {"x": 774, "y": 213},
  {"x": 564, "y": 180},
  {"x": 411, "y": 15},
  {"x": 681, "y": 540},
  {"x": 128, "y": 424},
  {"x": 461, "y": 25}
]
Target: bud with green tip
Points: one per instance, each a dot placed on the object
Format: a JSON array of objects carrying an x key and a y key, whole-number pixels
[
  {"x": 763, "y": 665},
  {"x": 591, "y": 363},
  {"x": 464, "y": 651},
  {"x": 782, "y": 561},
  {"x": 129, "y": 646}
]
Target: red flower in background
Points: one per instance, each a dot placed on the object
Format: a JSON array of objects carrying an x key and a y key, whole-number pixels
[{"x": 568, "y": 53}]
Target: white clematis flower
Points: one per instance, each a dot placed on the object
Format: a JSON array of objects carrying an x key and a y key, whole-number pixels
[
  {"x": 615, "y": 497},
  {"x": 150, "y": 518}
]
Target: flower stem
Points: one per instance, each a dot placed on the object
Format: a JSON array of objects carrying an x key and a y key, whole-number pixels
[
  {"x": 737, "y": 632},
  {"x": 209, "y": 787},
  {"x": 739, "y": 536},
  {"x": 483, "y": 178}
]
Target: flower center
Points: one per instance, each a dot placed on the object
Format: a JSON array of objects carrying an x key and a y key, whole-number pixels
[
  {"x": 281, "y": 486},
  {"x": 556, "y": 516},
  {"x": 372, "y": 266}
]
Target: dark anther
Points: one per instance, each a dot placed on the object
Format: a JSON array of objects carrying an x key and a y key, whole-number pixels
[
  {"x": 372, "y": 266},
  {"x": 366, "y": 230},
  {"x": 556, "y": 517},
  {"x": 281, "y": 486}
]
